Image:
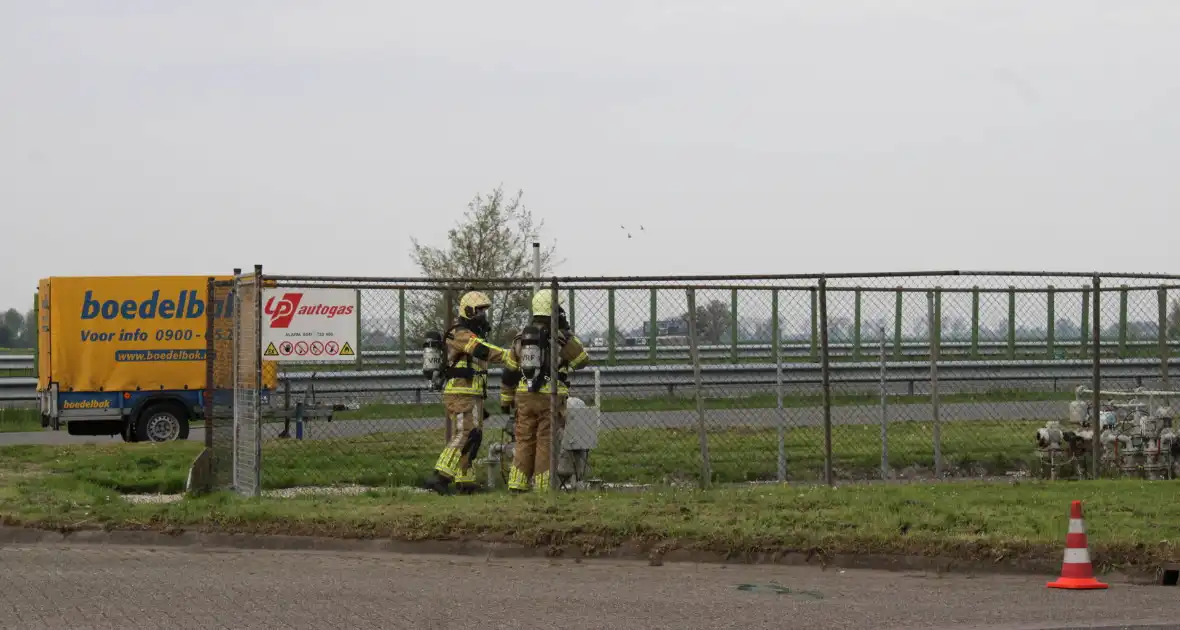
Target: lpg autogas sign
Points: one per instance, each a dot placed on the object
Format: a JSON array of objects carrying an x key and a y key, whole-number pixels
[{"x": 310, "y": 325}]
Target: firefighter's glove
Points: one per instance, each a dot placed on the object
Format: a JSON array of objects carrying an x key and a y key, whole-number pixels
[{"x": 563, "y": 337}]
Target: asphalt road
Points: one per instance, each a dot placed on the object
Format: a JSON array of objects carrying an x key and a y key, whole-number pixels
[
  {"x": 62, "y": 587},
  {"x": 800, "y": 417}
]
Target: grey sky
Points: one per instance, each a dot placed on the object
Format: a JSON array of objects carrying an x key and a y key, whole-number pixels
[{"x": 748, "y": 136}]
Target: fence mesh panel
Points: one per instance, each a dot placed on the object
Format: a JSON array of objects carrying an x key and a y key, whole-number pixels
[
  {"x": 220, "y": 381},
  {"x": 248, "y": 393},
  {"x": 750, "y": 404}
]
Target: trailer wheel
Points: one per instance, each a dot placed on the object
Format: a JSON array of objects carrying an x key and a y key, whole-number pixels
[{"x": 163, "y": 422}]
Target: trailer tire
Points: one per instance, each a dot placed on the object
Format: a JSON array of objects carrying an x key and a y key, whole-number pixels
[{"x": 162, "y": 422}]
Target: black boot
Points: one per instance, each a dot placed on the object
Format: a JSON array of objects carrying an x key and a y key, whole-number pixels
[{"x": 438, "y": 483}]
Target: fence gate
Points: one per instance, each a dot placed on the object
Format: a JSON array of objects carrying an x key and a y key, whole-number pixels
[{"x": 247, "y": 372}]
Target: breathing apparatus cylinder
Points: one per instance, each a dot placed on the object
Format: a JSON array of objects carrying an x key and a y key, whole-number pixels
[
  {"x": 531, "y": 351},
  {"x": 432, "y": 358}
]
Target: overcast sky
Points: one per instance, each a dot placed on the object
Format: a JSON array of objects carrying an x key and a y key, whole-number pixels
[{"x": 755, "y": 136}]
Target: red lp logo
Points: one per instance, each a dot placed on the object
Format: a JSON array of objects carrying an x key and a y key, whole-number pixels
[{"x": 282, "y": 313}]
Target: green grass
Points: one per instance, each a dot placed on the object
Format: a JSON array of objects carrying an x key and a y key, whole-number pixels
[
  {"x": 679, "y": 403},
  {"x": 19, "y": 420},
  {"x": 1131, "y": 524},
  {"x": 622, "y": 456}
]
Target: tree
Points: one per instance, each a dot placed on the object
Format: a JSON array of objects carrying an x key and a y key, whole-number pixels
[
  {"x": 14, "y": 323},
  {"x": 493, "y": 240},
  {"x": 712, "y": 321},
  {"x": 29, "y": 336}
]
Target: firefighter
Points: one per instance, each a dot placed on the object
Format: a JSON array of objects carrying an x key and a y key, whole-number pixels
[
  {"x": 526, "y": 385},
  {"x": 466, "y": 372}
]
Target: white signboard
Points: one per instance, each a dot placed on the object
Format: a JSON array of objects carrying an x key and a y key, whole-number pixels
[{"x": 310, "y": 325}]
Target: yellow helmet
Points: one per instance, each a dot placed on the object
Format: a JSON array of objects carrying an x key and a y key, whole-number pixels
[
  {"x": 543, "y": 302},
  {"x": 471, "y": 302}
]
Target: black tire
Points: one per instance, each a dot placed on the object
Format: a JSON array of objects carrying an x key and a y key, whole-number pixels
[{"x": 162, "y": 422}]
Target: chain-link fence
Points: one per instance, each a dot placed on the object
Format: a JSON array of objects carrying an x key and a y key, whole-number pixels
[{"x": 838, "y": 377}]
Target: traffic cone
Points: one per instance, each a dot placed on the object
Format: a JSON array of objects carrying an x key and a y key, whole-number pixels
[{"x": 1076, "y": 571}]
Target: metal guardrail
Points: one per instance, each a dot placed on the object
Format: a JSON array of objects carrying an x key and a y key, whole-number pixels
[
  {"x": 745, "y": 351},
  {"x": 762, "y": 373},
  {"x": 16, "y": 362},
  {"x": 712, "y": 375},
  {"x": 18, "y": 388}
]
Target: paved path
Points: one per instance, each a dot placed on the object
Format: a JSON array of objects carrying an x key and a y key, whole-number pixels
[
  {"x": 798, "y": 417},
  {"x": 62, "y": 587}
]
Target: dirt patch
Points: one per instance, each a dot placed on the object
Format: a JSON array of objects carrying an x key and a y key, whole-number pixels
[{"x": 578, "y": 547}]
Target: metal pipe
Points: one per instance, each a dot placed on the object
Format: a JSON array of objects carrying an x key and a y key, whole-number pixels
[
  {"x": 934, "y": 384},
  {"x": 554, "y": 410},
  {"x": 702, "y": 434},
  {"x": 884, "y": 414},
  {"x": 1096, "y": 440},
  {"x": 827, "y": 388},
  {"x": 778, "y": 391}
]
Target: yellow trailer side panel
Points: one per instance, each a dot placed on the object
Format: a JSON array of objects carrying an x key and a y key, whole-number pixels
[
  {"x": 44, "y": 353},
  {"x": 128, "y": 333}
]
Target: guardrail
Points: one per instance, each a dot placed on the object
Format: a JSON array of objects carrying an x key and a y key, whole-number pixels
[
  {"x": 713, "y": 375},
  {"x": 744, "y": 351},
  {"x": 18, "y": 389},
  {"x": 16, "y": 362}
]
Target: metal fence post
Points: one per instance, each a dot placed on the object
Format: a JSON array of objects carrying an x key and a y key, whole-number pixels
[
  {"x": 1163, "y": 339},
  {"x": 934, "y": 347},
  {"x": 401, "y": 327},
  {"x": 776, "y": 344},
  {"x": 1011, "y": 323},
  {"x": 975, "y": 322},
  {"x": 448, "y": 309},
  {"x": 827, "y": 389},
  {"x": 257, "y": 420},
  {"x": 611, "y": 331},
  {"x": 653, "y": 319},
  {"x": 1096, "y": 425},
  {"x": 733, "y": 326},
  {"x": 899, "y": 302},
  {"x": 1123, "y": 321},
  {"x": 210, "y": 352},
  {"x": 693, "y": 347},
  {"x": 856, "y": 318},
  {"x": 1050, "y": 323},
  {"x": 555, "y": 427},
  {"x": 884, "y": 414}
]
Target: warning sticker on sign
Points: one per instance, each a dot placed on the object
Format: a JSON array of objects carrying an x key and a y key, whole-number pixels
[{"x": 310, "y": 325}]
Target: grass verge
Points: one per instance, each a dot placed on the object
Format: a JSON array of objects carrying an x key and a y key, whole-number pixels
[
  {"x": 403, "y": 458},
  {"x": 1132, "y": 524},
  {"x": 19, "y": 420}
]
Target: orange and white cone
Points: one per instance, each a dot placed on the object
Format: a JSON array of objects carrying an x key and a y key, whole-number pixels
[{"x": 1076, "y": 570}]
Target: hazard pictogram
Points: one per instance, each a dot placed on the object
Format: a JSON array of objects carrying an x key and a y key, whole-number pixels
[
  {"x": 271, "y": 351},
  {"x": 346, "y": 351},
  {"x": 286, "y": 348},
  {"x": 317, "y": 348},
  {"x": 332, "y": 347},
  {"x": 301, "y": 348}
]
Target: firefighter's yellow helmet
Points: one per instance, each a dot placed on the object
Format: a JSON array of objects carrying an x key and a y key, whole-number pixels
[
  {"x": 543, "y": 302},
  {"x": 471, "y": 302}
]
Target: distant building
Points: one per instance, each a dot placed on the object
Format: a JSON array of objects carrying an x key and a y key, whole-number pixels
[{"x": 672, "y": 327}]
